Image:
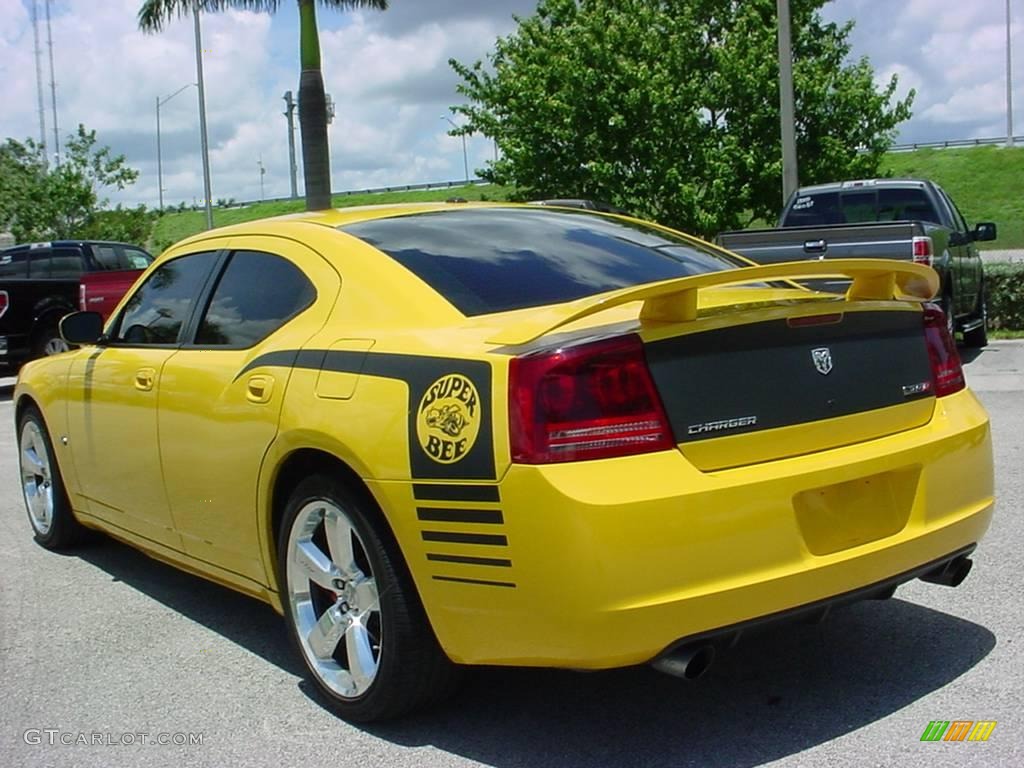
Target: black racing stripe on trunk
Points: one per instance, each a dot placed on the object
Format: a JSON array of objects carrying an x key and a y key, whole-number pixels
[
  {"x": 497, "y": 562},
  {"x": 766, "y": 370},
  {"x": 429, "y": 492},
  {"x": 481, "y": 582},
  {"x": 454, "y": 537},
  {"x": 439, "y": 515}
]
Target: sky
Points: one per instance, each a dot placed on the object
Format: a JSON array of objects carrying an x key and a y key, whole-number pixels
[{"x": 388, "y": 73}]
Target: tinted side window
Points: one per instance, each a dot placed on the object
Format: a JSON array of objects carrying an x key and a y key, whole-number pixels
[
  {"x": 256, "y": 295},
  {"x": 39, "y": 263},
  {"x": 160, "y": 306},
  {"x": 66, "y": 263},
  {"x": 135, "y": 258},
  {"x": 13, "y": 265},
  {"x": 106, "y": 255}
]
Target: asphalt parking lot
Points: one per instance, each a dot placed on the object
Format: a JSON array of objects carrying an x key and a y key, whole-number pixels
[{"x": 108, "y": 642}]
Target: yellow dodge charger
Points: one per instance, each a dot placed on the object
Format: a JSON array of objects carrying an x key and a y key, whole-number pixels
[{"x": 445, "y": 435}]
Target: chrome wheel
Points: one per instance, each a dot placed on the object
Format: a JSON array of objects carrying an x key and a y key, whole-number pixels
[
  {"x": 55, "y": 345},
  {"x": 333, "y": 599},
  {"x": 36, "y": 477}
]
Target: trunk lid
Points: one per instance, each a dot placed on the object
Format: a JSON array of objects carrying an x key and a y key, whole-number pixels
[{"x": 743, "y": 394}]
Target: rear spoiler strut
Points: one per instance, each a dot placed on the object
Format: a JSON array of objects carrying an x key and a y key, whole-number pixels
[{"x": 675, "y": 300}]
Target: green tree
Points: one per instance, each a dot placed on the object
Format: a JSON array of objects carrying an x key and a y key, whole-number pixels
[
  {"x": 49, "y": 202},
  {"x": 670, "y": 108},
  {"x": 312, "y": 97}
]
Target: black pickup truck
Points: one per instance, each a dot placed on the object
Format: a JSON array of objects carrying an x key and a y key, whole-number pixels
[
  {"x": 908, "y": 219},
  {"x": 41, "y": 282}
]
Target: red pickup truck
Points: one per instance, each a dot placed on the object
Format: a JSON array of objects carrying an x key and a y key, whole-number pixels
[{"x": 42, "y": 282}]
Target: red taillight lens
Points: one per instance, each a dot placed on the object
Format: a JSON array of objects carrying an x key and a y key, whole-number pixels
[
  {"x": 4, "y": 301},
  {"x": 947, "y": 373},
  {"x": 923, "y": 251},
  {"x": 591, "y": 401}
]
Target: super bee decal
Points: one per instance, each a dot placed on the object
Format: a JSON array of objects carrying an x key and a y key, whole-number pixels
[
  {"x": 449, "y": 407},
  {"x": 448, "y": 419}
]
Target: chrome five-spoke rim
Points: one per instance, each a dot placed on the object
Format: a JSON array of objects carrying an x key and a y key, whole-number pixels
[
  {"x": 332, "y": 594},
  {"x": 36, "y": 478},
  {"x": 55, "y": 346}
]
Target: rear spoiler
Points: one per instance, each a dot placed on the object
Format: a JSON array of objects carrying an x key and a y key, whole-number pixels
[{"x": 675, "y": 300}]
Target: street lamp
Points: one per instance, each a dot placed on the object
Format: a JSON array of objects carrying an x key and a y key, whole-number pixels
[
  {"x": 202, "y": 118},
  {"x": 159, "y": 157},
  {"x": 465, "y": 157},
  {"x": 1009, "y": 82}
]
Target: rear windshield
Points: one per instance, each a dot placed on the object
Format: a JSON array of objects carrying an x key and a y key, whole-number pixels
[
  {"x": 485, "y": 260},
  {"x": 861, "y": 206}
]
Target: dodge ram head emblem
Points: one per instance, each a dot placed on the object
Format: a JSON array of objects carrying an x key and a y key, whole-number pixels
[{"x": 822, "y": 360}]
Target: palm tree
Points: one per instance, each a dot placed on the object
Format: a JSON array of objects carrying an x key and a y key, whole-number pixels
[{"x": 316, "y": 158}]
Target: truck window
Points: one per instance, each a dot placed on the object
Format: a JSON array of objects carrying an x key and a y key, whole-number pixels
[
  {"x": 39, "y": 263},
  {"x": 13, "y": 265},
  {"x": 135, "y": 258},
  {"x": 861, "y": 206},
  {"x": 905, "y": 205},
  {"x": 66, "y": 264},
  {"x": 106, "y": 255}
]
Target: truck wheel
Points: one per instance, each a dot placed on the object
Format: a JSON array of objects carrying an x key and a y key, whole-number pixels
[
  {"x": 48, "y": 341},
  {"x": 979, "y": 336}
]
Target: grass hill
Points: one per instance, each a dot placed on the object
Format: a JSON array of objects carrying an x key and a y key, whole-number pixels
[{"x": 987, "y": 183}]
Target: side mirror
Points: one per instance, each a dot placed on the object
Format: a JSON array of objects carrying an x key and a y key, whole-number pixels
[
  {"x": 81, "y": 327},
  {"x": 986, "y": 230}
]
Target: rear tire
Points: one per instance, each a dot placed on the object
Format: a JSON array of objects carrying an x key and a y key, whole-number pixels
[
  {"x": 49, "y": 511},
  {"x": 351, "y": 608},
  {"x": 979, "y": 336}
]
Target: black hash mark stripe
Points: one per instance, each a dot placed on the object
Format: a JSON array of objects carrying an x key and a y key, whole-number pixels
[
  {"x": 497, "y": 562},
  {"x": 489, "y": 539},
  {"x": 475, "y": 581},
  {"x": 444, "y": 515},
  {"x": 429, "y": 492}
]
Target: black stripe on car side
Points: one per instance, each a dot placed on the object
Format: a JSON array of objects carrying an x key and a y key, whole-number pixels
[
  {"x": 482, "y": 582},
  {"x": 444, "y": 515},
  {"x": 457, "y": 537},
  {"x": 430, "y": 492},
  {"x": 419, "y": 372},
  {"x": 496, "y": 562}
]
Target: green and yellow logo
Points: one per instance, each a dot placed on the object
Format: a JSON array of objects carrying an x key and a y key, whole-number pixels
[
  {"x": 448, "y": 419},
  {"x": 958, "y": 730}
]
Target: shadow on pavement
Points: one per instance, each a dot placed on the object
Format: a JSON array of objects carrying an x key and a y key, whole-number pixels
[{"x": 778, "y": 693}]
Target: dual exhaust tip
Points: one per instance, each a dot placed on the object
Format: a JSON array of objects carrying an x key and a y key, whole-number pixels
[{"x": 691, "y": 660}]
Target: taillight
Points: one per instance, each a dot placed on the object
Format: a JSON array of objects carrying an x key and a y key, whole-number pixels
[
  {"x": 4, "y": 302},
  {"x": 947, "y": 373},
  {"x": 591, "y": 401},
  {"x": 923, "y": 251},
  {"x": 81, "y": 296}
]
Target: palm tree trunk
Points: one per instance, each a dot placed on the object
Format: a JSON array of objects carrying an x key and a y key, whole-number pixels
[{"x": 316, "y": 158}]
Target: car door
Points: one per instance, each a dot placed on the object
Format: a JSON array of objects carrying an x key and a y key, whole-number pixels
[
  {"x": 959, "y": 256},
  {"x": 971, "y": 265},
  {"x": 113, "y": 394},
  {"x": 218, "y": 417}
]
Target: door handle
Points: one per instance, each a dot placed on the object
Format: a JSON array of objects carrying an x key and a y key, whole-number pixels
[
  {"x": 144, "y": 378},
  {"x": 259, "y": 389}
]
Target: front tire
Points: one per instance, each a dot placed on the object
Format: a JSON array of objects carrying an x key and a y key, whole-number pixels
[
  {"x": 49, "y": 511},
  {"x": 351, "y": 608}
]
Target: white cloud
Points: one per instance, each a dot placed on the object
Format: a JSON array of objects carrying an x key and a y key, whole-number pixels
[{"x": 389, "y": 76}]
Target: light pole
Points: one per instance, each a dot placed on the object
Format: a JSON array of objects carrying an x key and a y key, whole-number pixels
[
  {"x": 1009, "y": 82},
  {"x": 202, "y": 119},
  {"x": 159, "y": 157},
  {"x": 465, "y": 156},
  {"x": 790, "y": 174},
  {"x": 293, "y": 170}
]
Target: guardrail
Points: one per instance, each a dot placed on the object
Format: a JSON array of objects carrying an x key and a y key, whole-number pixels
[
  {"x": 953, "y": 143},
  {"x": 374, "y": 191}
]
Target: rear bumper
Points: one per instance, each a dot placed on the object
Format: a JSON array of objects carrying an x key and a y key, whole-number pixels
[{"x": 608, "y": 563}]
